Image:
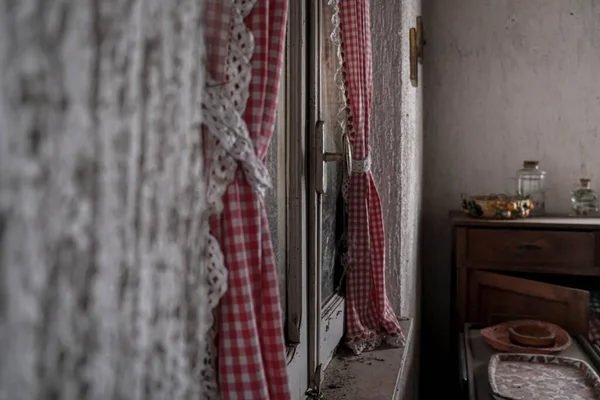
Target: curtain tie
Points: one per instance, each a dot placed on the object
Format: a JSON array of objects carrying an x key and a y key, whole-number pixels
[{"x": 361, "y": 166}]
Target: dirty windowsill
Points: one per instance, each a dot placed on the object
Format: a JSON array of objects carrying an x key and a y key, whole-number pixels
[{"x": 376, "y": 375}]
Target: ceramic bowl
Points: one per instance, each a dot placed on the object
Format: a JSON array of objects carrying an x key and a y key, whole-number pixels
[
  {"x": 532, "y": 335},
  {"x": 498, "y": 336}
]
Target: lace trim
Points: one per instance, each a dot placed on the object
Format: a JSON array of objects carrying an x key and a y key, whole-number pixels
[
  {"x": 229, "y": 142},
  {"x": 344, "y": 110},
  {"x": 361, "y": 166},
  {"x": 359, "y": 344}
]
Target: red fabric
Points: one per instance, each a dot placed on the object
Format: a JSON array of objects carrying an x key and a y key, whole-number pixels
[
  {"x": 369, "y": 316},
  {"x": 252, "y": 361},
  {"x": 216, "y": 19}
]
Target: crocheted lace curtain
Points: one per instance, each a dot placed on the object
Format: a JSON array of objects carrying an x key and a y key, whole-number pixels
[{"x": 245, "y": 40}]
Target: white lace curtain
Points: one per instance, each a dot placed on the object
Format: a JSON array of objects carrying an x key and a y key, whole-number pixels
[{"x": 103, "y": 294}]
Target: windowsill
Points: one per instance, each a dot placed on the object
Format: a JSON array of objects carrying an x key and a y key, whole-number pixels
[{"x": 376, "y": 375}]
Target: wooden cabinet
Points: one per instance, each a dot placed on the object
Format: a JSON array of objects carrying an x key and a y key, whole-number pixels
[
  {"x": 536, "y": 268},
  {"x": 525, "y": 248},
  {"x": 495, "y": 298},
  {"x": 539, "y": 268}
]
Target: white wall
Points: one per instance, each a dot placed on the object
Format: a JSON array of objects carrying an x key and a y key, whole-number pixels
[
  {"x": 101, "y": 196},
  {"x": 396, "y": 145},
  {"x": 397, "y": 152},
  {"x": 505, "y": 80}
]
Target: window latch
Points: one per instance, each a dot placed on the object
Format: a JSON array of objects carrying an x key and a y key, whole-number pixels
[{"x": 321, "y": 157}]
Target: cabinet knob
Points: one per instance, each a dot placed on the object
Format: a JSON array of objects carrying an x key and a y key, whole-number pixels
[{"x": 529, "y": 247}]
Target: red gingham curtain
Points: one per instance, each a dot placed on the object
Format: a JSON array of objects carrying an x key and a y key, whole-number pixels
[
  {"x": 251, "y": 348},
  {"x": 369, "y": 316}
]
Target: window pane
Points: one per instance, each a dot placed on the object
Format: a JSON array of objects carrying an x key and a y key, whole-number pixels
[
  {"x": 331, "y": 220},
  {"x": 275, "y": 198}
]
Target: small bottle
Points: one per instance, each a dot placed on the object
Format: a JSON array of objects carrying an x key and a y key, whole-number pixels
[
  {"x": 584, "y": 199},
  {"x": 531, "y": 182}
]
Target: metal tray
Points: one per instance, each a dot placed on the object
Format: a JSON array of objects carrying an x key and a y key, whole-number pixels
[{"x": 542, "y": 377}]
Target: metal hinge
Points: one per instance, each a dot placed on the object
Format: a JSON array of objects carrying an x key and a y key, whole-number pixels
[{"x": 314, "y": 391}]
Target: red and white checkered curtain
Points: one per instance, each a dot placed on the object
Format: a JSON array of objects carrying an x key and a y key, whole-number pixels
[
  {"x": 251, "y": 359},
  {"x": 369, "y": 317}
]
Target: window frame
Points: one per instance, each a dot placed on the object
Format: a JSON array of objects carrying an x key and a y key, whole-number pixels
[
  {"x": 328, "y": 318},
  {"x": 294, "y": 77},
  {"x": 313, "y": 330}
]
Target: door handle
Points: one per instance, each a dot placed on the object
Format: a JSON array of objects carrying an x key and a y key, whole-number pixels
[
  {"x": 529, "y": 247},
  {"x": 322, "y": 157}
]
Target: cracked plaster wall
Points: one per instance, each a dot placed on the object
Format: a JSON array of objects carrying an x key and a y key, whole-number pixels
[
  {"x": 396, "y": 145},
  {"x": 397, "y": 159}
]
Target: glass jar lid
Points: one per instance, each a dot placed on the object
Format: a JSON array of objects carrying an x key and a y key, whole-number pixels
[{"x": 531, "y": 164}]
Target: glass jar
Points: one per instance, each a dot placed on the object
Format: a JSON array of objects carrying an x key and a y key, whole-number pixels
[
  {"x": 584, "y": 199},
  {"x": 531, "y": 182}
]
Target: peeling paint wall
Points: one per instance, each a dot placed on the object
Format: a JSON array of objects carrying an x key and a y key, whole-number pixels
[
  {"x": 504, "y": 81},
  {"x": 397, "y": 157},
  {"x": 101, "y": 195}
]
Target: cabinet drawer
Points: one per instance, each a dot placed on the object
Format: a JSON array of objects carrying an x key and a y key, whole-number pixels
[{"x": 522, "y": 247}]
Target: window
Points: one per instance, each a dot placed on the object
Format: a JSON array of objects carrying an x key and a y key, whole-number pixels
[
  {"x": 304, "y": 207},
  {"x": 325, "y": 202}
]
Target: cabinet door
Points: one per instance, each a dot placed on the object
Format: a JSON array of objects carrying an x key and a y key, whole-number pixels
[{"x": 495, "y": 298}]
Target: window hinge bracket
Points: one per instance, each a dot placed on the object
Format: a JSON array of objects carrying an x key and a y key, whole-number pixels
[{"x": 314, "y": 391}]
